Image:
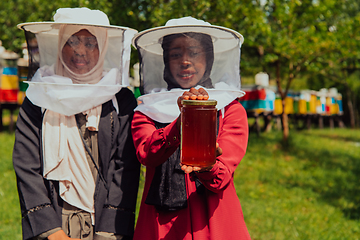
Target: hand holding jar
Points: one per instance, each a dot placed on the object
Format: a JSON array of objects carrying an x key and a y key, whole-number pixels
[{"x": 198, "y": 131}]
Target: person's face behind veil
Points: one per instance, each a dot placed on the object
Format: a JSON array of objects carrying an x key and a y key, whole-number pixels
[
  {"x": 81, "y": 52},
  {"x": 188, "y": 59}
]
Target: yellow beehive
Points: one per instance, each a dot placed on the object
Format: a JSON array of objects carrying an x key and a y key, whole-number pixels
[
  {"x": 313, "y": 103},
  {"x": 302, "y": 106},
  {"x": 278, "y": 109},
  {"x": 289, "y": 105},
  {"x": 9, "y": 82},
  {"x": 334, "y": 108}
]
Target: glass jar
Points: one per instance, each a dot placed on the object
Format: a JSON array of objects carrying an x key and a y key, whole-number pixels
[{"x": 198, "y": 132}]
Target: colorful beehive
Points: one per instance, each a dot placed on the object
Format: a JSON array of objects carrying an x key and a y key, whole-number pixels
[
  {"x": 262, "y": 79},
  {"x": 289, "y": 104},
  {"x": 293, "y": 98},
  {"x": 278, "y": 108},
  {"x": 258, "y": 98},
  {"x": 270, "y": 100},
  {"x": 135, "y": 81},
  {"x": 331, "y": 107},
  {"x": 318, "y": 105},
  {"x": 312, "y": 103},
  {"x": 303, "y": 102},
  {"x": 9, "y": 81},
  {"x": 296, "y": 104},
  {"x": 23, "y": 68},
  {"x": 254, "y": 97},
  {"x": 307, "y": 102},
  {"x": 339, "y": 104},
  {"x": 321, "y": 101}
]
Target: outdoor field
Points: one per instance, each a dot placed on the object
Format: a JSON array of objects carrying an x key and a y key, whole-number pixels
[
  {"x": 293, "y": 65},
  {"x": 307, "y": 189}
]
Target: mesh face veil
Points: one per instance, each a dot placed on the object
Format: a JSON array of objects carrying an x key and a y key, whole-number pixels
[
  {"x": 186, "y": 53},
  {"x": 81, "y": 61},
  {"x": 43, "y": 39},
  {"x": 220, "y": 46}
]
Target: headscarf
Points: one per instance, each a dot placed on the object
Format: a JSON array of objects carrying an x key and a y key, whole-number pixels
[
  {"x": 95, "y": 74},
  {"x": 63, "y": 150},
  {"x": 205, "y": 41}
]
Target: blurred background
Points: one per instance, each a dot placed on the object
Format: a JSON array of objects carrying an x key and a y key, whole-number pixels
[{"x": 300, "y": 68}]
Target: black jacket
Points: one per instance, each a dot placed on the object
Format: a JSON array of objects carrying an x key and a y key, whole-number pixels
[{"x": 41, "y": 205}]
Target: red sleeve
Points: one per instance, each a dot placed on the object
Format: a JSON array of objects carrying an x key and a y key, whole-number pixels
[
  {"x": 232, "y": 138},
  {"x": 153, "y": 146}
]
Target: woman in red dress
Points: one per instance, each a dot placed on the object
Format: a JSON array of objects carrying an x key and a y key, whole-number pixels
[{"x": 186, "y": 202}]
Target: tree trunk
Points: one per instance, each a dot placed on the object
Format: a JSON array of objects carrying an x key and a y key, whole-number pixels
[
  {"x": 267, "y": 122},
  {"x": 356, "y": 112},
  {"x": 284, "y": 117},
  {"x": 321, "y": 122},
  {"x": 350, "y": 106},
  {"x": 285, "y": 123}
]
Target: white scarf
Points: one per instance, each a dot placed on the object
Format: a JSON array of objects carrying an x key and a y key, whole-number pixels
[
  {"x": 65, "y": 160},
  {"x": 60, "y": 95},
  {"x": 162, "y": 107}
]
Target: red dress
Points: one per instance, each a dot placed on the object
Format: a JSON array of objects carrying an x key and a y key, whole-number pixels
[{"x": 215, "y": 215}]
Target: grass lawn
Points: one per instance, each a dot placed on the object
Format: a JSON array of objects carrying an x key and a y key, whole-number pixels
[
  {"x": 10, "y": 216},
  {"x": 306, "y": 189}
]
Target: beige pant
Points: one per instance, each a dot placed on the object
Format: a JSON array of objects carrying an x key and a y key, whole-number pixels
[{"x": 76, "y": 223}]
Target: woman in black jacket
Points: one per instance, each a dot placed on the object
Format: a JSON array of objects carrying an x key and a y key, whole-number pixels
[{"x": 74, "y": 158}]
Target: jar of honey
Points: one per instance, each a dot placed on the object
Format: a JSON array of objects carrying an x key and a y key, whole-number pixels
[{"x": 198, "y": 132}]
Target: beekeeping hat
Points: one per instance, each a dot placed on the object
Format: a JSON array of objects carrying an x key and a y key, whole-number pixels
[
  {"x": 52, "y": 87},
  {"x": 223, "y": 38},
  {"x": 224, "y": 75},
  {"x": 46, "y": 33}
]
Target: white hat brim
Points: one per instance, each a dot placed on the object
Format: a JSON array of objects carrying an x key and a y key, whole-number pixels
[
  {"x": 53, "y": 27},
  {"x": 150, "y": 39}
]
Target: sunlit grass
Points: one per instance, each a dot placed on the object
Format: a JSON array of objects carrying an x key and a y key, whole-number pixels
[
  {"x": 10, "y": 217},
  {"x": 306, "y": 189}
]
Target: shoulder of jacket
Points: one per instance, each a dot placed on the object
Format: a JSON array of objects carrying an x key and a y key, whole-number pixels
[
  {"x": 30, "y": 109},
  {"x": 126, "y": 101}
]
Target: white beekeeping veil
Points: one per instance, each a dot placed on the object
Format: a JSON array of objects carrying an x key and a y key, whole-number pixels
[
  {"x": 90, "y": 89},
  {"x": 161, "y": 85}
]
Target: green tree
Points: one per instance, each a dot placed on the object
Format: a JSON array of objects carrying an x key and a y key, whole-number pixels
[
  {"x": 342, "y": 64},
  {"x": 289, "y": 39},
  {"x": 19, "y": 11},
  {"x": 294, "y": 34}
]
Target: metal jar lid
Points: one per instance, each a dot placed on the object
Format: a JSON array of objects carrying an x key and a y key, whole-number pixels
[{"x": 209, "y": 102}]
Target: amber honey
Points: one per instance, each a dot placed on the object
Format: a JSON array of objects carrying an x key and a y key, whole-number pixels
[{"x": 198, "y": 132}]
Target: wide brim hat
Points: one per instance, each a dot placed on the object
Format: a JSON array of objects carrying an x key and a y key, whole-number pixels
[
  {"x": 223, "y": 38},
  {"x": 159, "y": 101},
  {"x": 46, "y": 36},
  {"x": 75, "y": 16}
]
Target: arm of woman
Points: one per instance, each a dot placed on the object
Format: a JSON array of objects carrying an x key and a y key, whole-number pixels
[
  {"x": 37, "y": 210},
  {"x": 153, "y": 146},
  {"x": 232, "y": 139}
]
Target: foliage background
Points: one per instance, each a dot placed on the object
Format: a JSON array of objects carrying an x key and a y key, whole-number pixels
[
  {"x": 305, "y": 189},
  {"x": 307, "y": 44}
]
